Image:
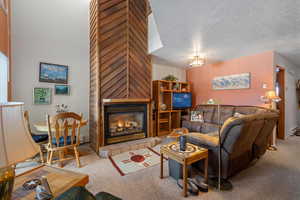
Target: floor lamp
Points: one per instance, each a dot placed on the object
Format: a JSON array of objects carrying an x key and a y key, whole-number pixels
[{"x": 219, "y": 182}]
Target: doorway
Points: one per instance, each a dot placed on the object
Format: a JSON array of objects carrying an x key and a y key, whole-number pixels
[{"x": 280, "y": 91}]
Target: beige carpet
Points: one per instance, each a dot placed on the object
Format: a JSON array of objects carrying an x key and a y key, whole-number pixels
[{"x": 275, "y": 176}]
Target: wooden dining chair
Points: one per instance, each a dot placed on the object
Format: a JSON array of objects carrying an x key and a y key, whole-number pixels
[
  {"x": 40, "y": 139},
  {"x": 64, "y": 134}
]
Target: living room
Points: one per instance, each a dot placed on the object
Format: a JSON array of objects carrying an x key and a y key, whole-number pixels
[{"x": 146, "y": 82}]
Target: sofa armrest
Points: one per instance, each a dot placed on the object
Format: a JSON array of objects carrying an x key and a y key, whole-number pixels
[{"x": 209, "y": 140}]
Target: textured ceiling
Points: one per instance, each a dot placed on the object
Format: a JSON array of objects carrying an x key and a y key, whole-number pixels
[{"x": 226, "y": 29}]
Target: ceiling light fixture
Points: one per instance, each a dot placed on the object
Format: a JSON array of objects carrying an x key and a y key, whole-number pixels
[{"x": 198, "y": 60}]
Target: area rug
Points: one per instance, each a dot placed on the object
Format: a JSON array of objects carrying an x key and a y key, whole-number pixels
[{"x": 135, "y": 160}]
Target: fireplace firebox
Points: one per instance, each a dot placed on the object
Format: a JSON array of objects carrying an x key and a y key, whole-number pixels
[{"x": 124, "y": 122}]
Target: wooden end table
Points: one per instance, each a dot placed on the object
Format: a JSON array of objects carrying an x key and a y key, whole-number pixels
[
  {"x": 192, "y": 154},
  {"x": 60, "y": 180}
]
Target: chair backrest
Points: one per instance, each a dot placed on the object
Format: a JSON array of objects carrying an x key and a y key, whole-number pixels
[
  {"x": 26, "y": 119},
  {"x": 64, "y": 129}
]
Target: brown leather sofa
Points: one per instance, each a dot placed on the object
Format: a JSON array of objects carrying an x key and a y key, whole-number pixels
[{"x": 245, "y": 132}]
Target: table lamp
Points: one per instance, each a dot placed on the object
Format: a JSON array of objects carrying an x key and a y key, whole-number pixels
[
  {"x": 271, "y": 98},
  {"x": 16, "y": 145}
]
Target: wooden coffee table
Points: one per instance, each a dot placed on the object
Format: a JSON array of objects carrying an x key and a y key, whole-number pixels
[
  {"x": 192, "y": 154},
  {"x": 60, "y": 180}
]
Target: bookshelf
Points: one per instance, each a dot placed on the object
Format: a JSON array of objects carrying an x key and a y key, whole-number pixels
[{"x": 166, "y": 118}]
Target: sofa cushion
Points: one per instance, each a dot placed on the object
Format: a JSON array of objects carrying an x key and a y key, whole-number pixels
[
  {"x": 192, "y": 126},
  {"x": 208, "y": 113},
  {"x": 225, "y": 113},
  {"x": 208, "y": 128}
]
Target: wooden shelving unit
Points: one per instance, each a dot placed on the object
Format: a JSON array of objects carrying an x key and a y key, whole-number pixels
[{"x": 166, "y": 120}]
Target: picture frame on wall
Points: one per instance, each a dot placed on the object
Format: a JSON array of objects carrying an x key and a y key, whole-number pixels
[
  {"x": 62, "y": 90},
  {"x": 42, "y": 96},
  {"x": 232, "y": 82},
  {"x": 53, "y": 73}
]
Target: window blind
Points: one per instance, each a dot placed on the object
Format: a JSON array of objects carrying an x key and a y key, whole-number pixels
[{"x": 3, "y": 77}]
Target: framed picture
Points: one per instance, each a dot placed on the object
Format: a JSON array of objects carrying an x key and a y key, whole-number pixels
[
  {"x": 42, "y": 96},
  {"x": 232, "y": 82},
  {"x": 53, "y": 73},
  {"x": 62, "y": 89}
]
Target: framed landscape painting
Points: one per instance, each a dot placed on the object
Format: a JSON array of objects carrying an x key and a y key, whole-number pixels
[
  {"x": 62, "y": 89},
  {"x": 53, "y": 73},
  {"x": 231, "y": 82},
  {"x": 42, "y": 96}
]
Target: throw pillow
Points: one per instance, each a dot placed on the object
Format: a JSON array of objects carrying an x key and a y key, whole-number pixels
[{"x": 196, "y": 116}]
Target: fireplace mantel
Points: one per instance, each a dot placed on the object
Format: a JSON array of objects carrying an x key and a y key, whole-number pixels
[{"x": 106, "y": 101}]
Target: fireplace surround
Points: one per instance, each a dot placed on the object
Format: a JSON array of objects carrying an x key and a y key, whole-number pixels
[{"x": 125, "y": 120}]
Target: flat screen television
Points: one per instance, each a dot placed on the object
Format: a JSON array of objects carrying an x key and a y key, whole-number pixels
[{"x": 182, "y": 100}]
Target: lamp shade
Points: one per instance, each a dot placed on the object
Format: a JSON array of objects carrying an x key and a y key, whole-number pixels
[
  {"x": 271, "y": 95},
  {"x": 16, "y": 143}
]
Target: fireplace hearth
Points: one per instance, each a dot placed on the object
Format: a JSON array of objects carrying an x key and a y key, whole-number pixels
[{"x": 124, "y": 122}]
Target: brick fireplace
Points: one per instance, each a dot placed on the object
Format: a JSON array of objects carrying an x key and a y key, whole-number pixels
[{"x": 125, "y": 120}]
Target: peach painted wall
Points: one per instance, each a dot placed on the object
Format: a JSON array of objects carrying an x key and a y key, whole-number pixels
[{"x": 261, "y": 71}]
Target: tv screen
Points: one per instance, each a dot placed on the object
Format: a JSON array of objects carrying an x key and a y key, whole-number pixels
[{"x": 182, "y": 100}]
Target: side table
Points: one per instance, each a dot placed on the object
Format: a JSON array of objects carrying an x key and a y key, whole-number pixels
[{"x": 192, "y": 154}]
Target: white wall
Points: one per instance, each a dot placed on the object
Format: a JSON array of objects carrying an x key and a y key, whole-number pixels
[
  {"x": 292, "y": 74},
  {"x": 54, "y": 31},
  {"x": 3, "y": 78},
  {"x": 159, "y": 71},
  {"x": 154, "y": 40}
]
